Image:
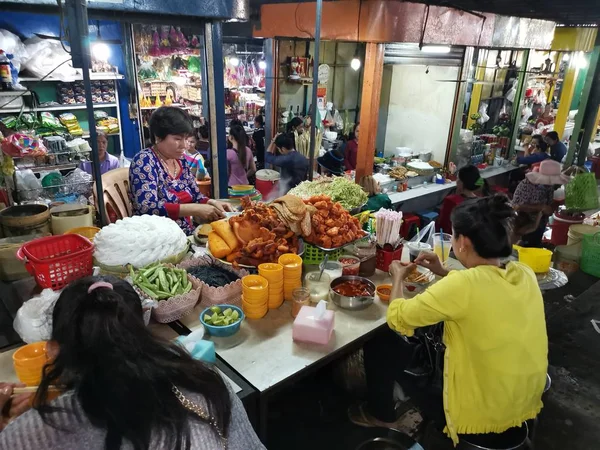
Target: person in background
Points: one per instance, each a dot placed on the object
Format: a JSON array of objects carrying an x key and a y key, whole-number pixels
[
  {"x": 494, "y": 331},
  {"x": 351, "y": 149},
  {"x": 203, "y": 146},
  {"x": 240, "y": 160},
  {"x": 469, "y": 184},
  {"x": 536, "y": 151},
  {"x": 258, "y": 136},
  {"x": 107, "y": 161},
  {"x": 533, "y": 200},
  {"x": 294, "y": 166},
  {"x": 558, "y": 150},
  {"x": 123, "y": 387},
  {"x": 160, "y": 184},
  {"x": 295, "y": 125},
  {"x": 377, "y": 199},
  {"x": 194, "y": 158},
  {"x": 233, "y": 123}
]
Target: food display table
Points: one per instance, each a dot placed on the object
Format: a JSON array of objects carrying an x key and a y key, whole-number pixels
[{"x": 264, "y": 354}]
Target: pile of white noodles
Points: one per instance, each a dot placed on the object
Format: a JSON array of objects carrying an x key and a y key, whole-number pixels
[{"x": 139, "y": 240}]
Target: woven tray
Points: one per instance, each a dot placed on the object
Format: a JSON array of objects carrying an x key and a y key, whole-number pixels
[
  {"x": 230, "y": 294},
  {"x": 174, "y": 308}
]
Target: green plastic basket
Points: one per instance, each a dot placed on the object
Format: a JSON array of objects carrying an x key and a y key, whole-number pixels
[
  {"x": 314, "y": 255},
  {"x": 590, "y": 254}
]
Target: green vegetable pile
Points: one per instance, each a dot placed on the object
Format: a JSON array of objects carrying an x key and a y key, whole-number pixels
[
  {"x": 161, "y": 282},
  {"x": 221, "y": 318},
  {"x": 349, "y": 194}
]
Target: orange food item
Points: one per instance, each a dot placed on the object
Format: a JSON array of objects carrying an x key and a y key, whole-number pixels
[
  {"x": 332, "y": 225},
  {"x": 218, "y": 247},
  {"x": 224, "y": 230}
]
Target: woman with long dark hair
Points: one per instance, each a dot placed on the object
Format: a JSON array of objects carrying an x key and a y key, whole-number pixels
[
  {"x": 240, "y": 160},
  {"x": 469, "y": 184},
  {"x": 493, "y": 370},
  {"x": 122, "y": 387}
]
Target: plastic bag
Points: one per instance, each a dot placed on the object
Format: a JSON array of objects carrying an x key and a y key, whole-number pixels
[
  {"x": 425, "y": 235},
  {"x": 34, "y": 319},
  {"x": 19, "y": 145},
  {"x": 582, "y": 192},
  {"x": 483, "y": 113},
  {"x": 510, "y": 95},
  {"x": 45, "y": 55}
]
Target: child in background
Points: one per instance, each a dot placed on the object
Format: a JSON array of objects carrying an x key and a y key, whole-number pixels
[{"x": 194, "y": 159}]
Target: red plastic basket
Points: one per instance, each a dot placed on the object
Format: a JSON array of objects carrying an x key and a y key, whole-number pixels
[{"x": 55, "y": 261}]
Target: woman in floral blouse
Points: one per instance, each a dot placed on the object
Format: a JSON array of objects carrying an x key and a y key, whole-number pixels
[{"x": 161, "y": 180}]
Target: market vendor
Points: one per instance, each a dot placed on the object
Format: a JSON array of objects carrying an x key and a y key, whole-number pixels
[
  {"x": 351, "y": 150},
  {"x": 536, "y": 151},
  {"x": 121, "y": 386},
  {"x": 490, "y": 372},
  {"x": 161, "y": 184},
  {"x": 533, "y": 200},
  {"x": 377, "y": 199},
  {"x": 294, "y": 166},
  {"x": 107, "y": 161},
  {"x": 469, "y": 184},
  {"x": 558, "y": 149}
]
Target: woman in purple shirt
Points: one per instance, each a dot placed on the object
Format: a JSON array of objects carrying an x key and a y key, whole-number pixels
[
  {"x": 240, "y": 161},
  {"x": 107, "y": 161}
]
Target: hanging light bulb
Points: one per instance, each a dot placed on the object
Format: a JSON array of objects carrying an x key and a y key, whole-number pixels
[
  {"x": 262, "y": 64},
  {"x": 100, "y": 51},
  {"x": 355, "y": 63},
  {"x": 234, "y": 61}
]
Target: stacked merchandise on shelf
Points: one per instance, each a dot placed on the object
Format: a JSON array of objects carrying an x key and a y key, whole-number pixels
[
  {"x": 71, "y": 123},
  {"x": 105, "y": 123},
  {"x": 74, "y": 93}
]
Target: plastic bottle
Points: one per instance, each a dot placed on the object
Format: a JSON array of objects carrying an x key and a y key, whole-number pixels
[{"x": 5, "y": 74}]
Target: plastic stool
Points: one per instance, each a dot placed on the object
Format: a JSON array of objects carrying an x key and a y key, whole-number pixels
[
  {"x": 410, "y": 222},
  {"x": 427, "y": 217}
]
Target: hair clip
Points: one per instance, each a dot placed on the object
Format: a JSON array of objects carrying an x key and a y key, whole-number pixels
[{"x": 100, "y": 284}]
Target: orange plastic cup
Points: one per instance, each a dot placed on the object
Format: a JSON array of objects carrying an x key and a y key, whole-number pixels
[
  {"x": 29, "y": 362},
  {"x": 290, "y": 260},
  {"x": 255, "y": 282}
]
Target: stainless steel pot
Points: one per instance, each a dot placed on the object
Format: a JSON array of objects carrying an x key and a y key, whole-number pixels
[{"x": 354, "y": 303}]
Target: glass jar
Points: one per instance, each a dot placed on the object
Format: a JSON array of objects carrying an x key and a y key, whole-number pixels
[
  {"x": 300, "y": 298},
  {"x": 319, "y": 288}
]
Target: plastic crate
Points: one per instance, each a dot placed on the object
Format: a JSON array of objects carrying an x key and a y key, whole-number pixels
[
  {"x": 56, "y": 261},
  {"x": 314, "y": 255}
]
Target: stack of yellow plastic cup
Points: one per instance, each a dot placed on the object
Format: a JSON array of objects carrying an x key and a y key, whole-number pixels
[
  {"x": 255, "y": 296},
  {"x": 292, "y": 273},
  {"x": 274, "y": 274}
]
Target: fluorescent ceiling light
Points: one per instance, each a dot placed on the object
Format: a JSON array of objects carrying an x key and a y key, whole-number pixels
[{"x": 436, "y": 49}]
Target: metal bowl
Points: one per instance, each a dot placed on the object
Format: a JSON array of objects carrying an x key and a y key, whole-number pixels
[{"x": 354, "y": 303}]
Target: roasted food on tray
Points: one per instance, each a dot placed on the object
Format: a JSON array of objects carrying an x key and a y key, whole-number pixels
[{"x": 332, "y": 225}]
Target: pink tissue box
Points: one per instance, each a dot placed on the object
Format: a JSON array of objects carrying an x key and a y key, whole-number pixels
[{"x": 309, "y": 329}]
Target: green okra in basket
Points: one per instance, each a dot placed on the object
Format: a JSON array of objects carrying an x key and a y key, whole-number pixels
[{"x": 161, "y": 282}]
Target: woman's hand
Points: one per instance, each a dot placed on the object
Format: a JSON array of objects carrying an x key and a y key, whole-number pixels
[
  {"x": 432, "y": 262},
  {"x": 399, "y": 271},
  {"x": 207, "y": 213},
  {"x": 12, "y": 407},
  {"x": 221, "y": 206}
]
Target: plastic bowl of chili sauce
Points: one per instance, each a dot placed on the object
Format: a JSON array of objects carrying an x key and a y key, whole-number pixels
[{"x": 350, "y": 264}]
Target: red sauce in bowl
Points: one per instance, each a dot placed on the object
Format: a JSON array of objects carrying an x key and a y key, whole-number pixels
[{"x": 353, "y": 289}]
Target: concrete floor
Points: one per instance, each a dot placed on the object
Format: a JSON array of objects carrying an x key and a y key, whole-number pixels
[{"x": 312, "y": 414}]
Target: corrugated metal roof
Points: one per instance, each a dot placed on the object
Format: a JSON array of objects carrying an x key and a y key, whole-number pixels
[{"x": 410, "y": 54}]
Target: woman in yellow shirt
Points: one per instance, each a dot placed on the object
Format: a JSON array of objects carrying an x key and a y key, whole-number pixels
[{"x": 496, "y": 354}]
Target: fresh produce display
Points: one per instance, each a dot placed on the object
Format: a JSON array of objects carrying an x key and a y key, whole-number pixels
[
  {"x": 139, "y": 241},
  {"x": 339, "y": 189},
  {"x": 220, "y": 318},
  {"x": 398, "y": 173},
  {"x": 213, "y": 276},
  {"x": 259, "y": 235},
  {"x": 160, "y": 282},
  {"x": 332, "y": 225}
]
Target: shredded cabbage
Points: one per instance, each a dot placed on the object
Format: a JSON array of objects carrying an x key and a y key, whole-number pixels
[{"x": 349, "y": 194}]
